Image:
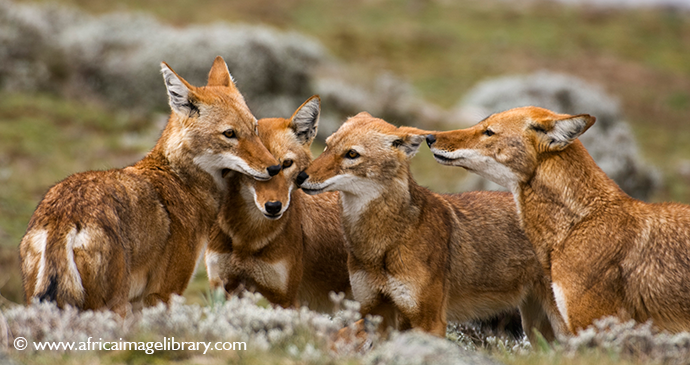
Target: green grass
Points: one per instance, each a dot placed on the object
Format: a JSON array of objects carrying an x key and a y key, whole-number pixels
[
  {"x": 599, "y": 357},
  {"x": 45, "y": 139}
]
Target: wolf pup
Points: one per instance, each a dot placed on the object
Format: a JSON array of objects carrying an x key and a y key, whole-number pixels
[
  {"x": 271, "y": 237},
  {"x": 105, "y": 239},
  {"x": 607, "y": 253},
  {"x": 418, "y": 258}
]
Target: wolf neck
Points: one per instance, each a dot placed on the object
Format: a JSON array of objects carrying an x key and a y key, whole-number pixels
[
  {"x": 565, "y": 188},
  {"x": 374, "y": 227},
  {"x": 171, "y": 160},
  {"x": 240, "y": 219},
  {"x": 173, "y": 148}
]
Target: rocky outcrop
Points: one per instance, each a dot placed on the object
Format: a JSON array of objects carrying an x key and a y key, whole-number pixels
[{"x": 610, "y": 141}]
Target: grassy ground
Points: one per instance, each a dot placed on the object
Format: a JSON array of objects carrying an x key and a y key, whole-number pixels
[
  {"x": 550, "y": 358},
  {"x": 45, "y": 139},
  {"x": 441, "y": 47}
]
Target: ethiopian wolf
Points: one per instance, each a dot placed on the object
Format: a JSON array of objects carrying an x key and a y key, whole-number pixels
[
  {"x": 103, "y": 239},
  {"x": 418, "y": 258},
  {"x": 606, "y": 253},
  {"x": 273, "y": 238}
]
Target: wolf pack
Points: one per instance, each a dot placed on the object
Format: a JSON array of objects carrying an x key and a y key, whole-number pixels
[{"x": 566, "y": 246}]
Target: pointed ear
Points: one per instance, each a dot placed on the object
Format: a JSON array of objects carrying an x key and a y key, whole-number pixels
[
  {"x": 180, "y": 94},
  {"x": 556, "y": 135},
  {"x": 219, "y": 74},
  {"x": 305, "y": 121},
  {"x": 409, "y": 140}
]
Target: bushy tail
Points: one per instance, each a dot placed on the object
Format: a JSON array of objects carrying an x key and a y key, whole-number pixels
[
  {"x": 50, "y": 293},
  {"x": 58, "y": 279}
]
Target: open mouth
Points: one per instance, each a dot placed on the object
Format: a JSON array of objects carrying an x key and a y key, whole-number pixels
[
  {"x": 258, "y": 177},
  {"x": 261, "y": 178},
  {"x": 444, "y": 160},
  {"x": 313, "y": 188}
]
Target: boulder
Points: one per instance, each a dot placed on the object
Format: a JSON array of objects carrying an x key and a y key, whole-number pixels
[{"x": 610, "y": 140}]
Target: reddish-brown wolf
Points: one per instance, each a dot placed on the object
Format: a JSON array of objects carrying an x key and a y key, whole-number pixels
[
  {"x": 105, "y": 239},
  {"x": 273, "y": 238},
  {"x": 606, "y": 253},
  {"x": 419, "y": 258}
]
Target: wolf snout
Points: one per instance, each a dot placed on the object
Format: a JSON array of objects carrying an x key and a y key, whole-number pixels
[
  {"x": 301, "y": 178},
  {"x": 430, "y": 139},
  {"x": 273, "y": 170},
  {"x": 273, "y": 208}
]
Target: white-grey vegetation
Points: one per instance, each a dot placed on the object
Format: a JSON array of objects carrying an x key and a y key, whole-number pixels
[
  {"x": 631, "y": 341},
  {"x": 304, "y": 336},
  {"x": 262, "y": 327},
  {"x": 610, "y": 141},
  {"x": 301, "y": 335},
  {"x": 414, "y": 347}
]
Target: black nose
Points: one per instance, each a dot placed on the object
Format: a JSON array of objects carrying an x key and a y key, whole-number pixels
[
  {"x": 273, "y": 207},
  {"x": 301, "y": 177},
  {"x": 273, "y": 170},
  {"x": 430, "y": 139}
]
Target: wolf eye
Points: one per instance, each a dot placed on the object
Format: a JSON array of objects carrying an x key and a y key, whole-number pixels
[
  {"x": 489, "y": 133},
  {"x": 287, "y": 163},
  {"x": 229, "y": 133},
  {"x": 352, "y": 154}
]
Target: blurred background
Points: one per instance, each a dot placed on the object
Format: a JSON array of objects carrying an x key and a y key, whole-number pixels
[{"x": 80, "y": 86}]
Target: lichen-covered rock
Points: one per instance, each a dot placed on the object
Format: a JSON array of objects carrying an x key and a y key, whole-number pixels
[
  {"x": 115, "y": 58},
  {"x": 387, "y": 97},
  {"x": 609, "y": 141}
]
